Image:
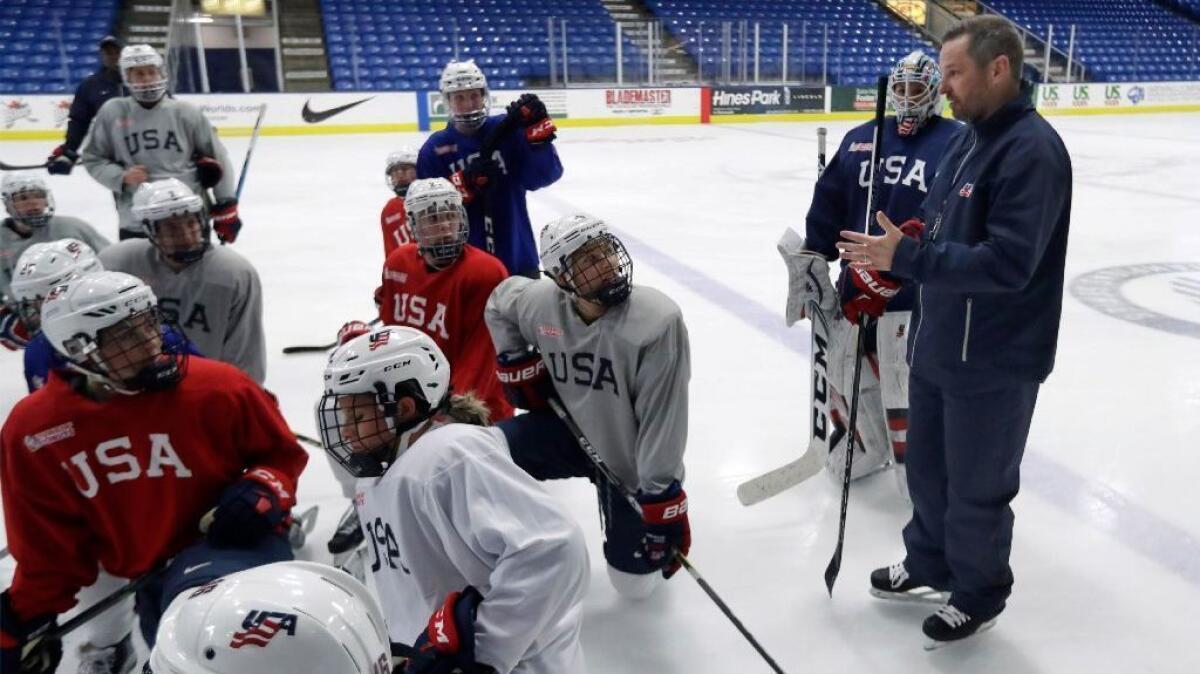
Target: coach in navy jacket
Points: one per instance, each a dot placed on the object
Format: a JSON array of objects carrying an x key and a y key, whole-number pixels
[
  {"x": 92, "y": 92},
  {"x": 989, "y": 265}
]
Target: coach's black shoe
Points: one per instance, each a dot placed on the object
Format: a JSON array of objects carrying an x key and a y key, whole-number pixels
[
  {"x": 894, "y": 583},
  {"x": 951, "y": 624}
]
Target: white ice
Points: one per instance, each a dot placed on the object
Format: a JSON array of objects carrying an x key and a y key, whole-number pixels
[{"x": 1107, "y": 542}]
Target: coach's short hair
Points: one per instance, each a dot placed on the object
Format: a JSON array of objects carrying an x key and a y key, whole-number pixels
[{"x": 989, "y": 36}]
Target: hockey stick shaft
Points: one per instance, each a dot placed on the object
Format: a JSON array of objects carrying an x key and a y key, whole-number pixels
[
  {"x": 616, "y": 483},
  {"x": 315, "y": 348},
  {"x": 821, "y": 133},
  {"x": 22, "y": 167},
  {"x": 250, "y": 151}
]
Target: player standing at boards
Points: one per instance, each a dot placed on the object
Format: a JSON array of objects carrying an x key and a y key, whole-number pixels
[
  {"x": 455, "y": 527},
  {"x": 149, "y": 136},
  {"x": 210, "y": 292},
  {"x": 913, "y": 143},
  {"x": 399, "y": 173},
  {"x": 116, "y": 461},
  {"x": 617, "y": 356},
  {"x": 523, "y": 159}
]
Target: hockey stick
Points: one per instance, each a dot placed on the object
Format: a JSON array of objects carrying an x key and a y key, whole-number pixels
[
  {"x": 616, "y": 483},
  {"x": 316, "y": 348},
  {"x": 22, "y": 167},
  {"x": 835, "y": 563},
  {"x": 250, "y": 151}
]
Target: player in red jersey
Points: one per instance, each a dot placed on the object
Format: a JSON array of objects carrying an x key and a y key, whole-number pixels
[
  {"x": 401, "y": 170},
  {"x": 115, "y": 462}
]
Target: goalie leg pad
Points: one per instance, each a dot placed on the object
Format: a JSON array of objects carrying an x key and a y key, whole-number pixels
[
  {"x": 892, "y": 345},
  {"x": 871, "y": 446}
]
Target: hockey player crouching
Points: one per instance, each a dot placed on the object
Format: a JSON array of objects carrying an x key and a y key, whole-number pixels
[
  {"x": 455, "y": 528},
  {"x": 620, "y": 361},
  {"x": 115, "y": 463}
]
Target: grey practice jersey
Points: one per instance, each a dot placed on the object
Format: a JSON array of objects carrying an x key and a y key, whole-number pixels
[
  {"x": 58, "y": 227},
  {"x": 624, "y": 378},
  {"x": 163, "y": 139},
  {"x": 454, "y": 510},
  {"x": 217, "y": 301}
]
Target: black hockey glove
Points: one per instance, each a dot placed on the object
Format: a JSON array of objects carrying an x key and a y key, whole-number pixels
[
  {"x": 527, "y": 110},
  {"x": 447, "y": 646},
  {"x": 61, "y": 161},
  {"x": 481, "y": 175},
  {"x": 18, "y": 636},
  {"x": 247, "y": 511},
  {"x": 208, "y": 170},
  {"x": 665, "y": 517}
]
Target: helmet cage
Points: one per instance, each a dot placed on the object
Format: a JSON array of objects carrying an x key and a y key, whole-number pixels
[
  {"x": 599, "y": 271},
  {"x": 369, "y": 454}
]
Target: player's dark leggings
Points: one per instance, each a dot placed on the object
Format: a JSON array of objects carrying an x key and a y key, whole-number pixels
[{"x": 543, "y": 447}]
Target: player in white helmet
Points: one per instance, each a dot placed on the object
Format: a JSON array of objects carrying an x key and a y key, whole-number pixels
[
  {"x": 448, "y": 515},
  {"x": 115, "y": 462},
  {"x": 521, "y": 158},
  {"x": 913, "y": 141},
  {"x": 399, "y": 172},
  {"x": 148, "y": 135},
  {"x": 282, "y": 618},
  {"x": 211, "y": 292},
  {"x": 31, "y": 219},
  {"x": 618, "y": 357}
]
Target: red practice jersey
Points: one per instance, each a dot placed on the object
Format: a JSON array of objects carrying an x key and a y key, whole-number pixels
[
  {"x": 395, "y": 226},
  {"x": 448, "y": 306},
  {"x": 125, "y": 482}
]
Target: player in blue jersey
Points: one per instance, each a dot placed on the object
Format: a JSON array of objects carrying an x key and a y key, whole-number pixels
[
  {"x": 494, "y": 186},
  {"x": 912, "y": 145}
]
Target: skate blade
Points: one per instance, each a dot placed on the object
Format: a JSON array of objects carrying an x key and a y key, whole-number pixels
[
  {"x": 928, "y": 596},
  {"x": 934, "y": 644}
]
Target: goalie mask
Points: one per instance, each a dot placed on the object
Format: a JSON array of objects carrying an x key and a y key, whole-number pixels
[
  {"x": 467, "y": 113},
  {"x": 108, "y": 326},
  {"x": 174, "y": 219},
  {"x": 143, "y": 73},
  {"x": 913, "y": 91},
  {"x": 366, "y": 381},
  {"x": 586, "y": 260},
  {"x": 437, "y": 219},
  {"x": 401, "y": 170},
  {"x": 42, "y": 267},
  {"x": 279, "y": 618},
  {"x": 27, "y": 199}
]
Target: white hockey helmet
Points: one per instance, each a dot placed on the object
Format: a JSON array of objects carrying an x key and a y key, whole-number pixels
[
  {"x": 17, "y": 187},
  {"x": 586, "y": 259},
  {"x": 388, "y": 364},
  {"x": 42, "y": 267},
  {"x": 160, "y": 200},
  {"x": 279, "y": 618},
  {"x": 137, "y": 55},
  {"x": 437, "y": 219},
  {"x": 465, "y": 76},
  {"x": 405, "y": 156},
  {"x": 125, "y": 310},
  {"x": 913, "y": 91}
]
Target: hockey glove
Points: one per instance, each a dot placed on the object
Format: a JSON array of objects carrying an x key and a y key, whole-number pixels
[
  {"x": 249, "y": 510},
  {"x": 542, "y": 132},
  {"x": 13, "y": 333},
  {"x": 665, "y": 516},
  {"x": 447, "y": 646},
  {"x": 61, "y": 161},
  {"x": 525, "y": 379},
  {"x": 874, "y": 289},
  {"x": 40, "y": 655},
  {"x": 225, "y": 220},
  {"x": 208, "y": 171},
  {"x": 527, "y": 110},
  {"x": 481, "y": 175},
  {"x": 350, "y": 330},
  {"x": 378, "y": 298}
]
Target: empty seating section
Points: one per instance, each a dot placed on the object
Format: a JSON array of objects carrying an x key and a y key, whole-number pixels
[
  {"x": 864, "y": 41},
  {"x": 48, "y": 46},
  {"x": 1116, "y": 39}
]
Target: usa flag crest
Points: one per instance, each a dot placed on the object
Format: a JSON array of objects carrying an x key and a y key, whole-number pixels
[
  {"x": 966, "y": 190},
  {"x": 379, "y": 339},
  {"x": 260, "y": 627}
]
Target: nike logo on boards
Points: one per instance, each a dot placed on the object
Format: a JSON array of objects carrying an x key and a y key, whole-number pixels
[{"x": 313, "y": 117}]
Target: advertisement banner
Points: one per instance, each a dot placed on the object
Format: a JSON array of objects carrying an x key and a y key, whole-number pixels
[
  {"x": 1113, "y": 95},
  {"x": 852, "y": 99},
  {"x": 766, "y": 100}
]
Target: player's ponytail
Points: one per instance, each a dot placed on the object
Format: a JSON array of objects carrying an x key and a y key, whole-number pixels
[{"x": 467, "y": 409}]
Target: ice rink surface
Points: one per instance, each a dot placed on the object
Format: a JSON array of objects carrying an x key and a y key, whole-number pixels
[{"x": 1106, "y": 550}]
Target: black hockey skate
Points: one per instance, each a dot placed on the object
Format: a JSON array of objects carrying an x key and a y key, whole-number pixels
[
  {"x": 348, "y": 535},
  {"x": 120, "y": 658},
  {"x": 894, "y": 583},
  {"x": 951, "y": 624}
]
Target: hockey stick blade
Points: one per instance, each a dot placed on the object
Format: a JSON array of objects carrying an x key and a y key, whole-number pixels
[
  {"x": 312, "y": 348},
  {"x": 302, "y": 526},
  {"x": 22, "y": 167},
  {"x": 781, "y": 479}
]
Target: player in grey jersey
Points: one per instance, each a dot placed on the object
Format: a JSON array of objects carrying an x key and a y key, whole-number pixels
[
  {"x": 149, "y": 136},
  {"x": 618, "y": 358},
  {"x": 212, "y": 293}
]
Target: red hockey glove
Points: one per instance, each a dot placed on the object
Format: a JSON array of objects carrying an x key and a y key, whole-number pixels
[
  {"x": 447, "y": 646},
  {"x": 460, "y": 183},
  {"x": 15, "y": 636},
  {"x": 525, "y": 379},
  {"x": 208, "y": 171},
  {"x": 912, "y": 228},
  {"x": 225, "y": 220},
  {"x": 61, "y": 161},
  {"x": 667, "y": 528},
  {"x": 872, "y": 291},
  {"x": 350, "y": 330},
  {"x": 14, "y": 336},
  {"x": 542, "y": 132}
]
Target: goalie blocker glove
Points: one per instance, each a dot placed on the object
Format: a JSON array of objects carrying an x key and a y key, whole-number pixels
[{"x": 525, "y": 379}]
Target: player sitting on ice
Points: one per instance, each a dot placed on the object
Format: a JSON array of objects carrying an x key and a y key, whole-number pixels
[
  {"x": 31, "y": 220},
  {"x": 211, "y": 292},
  {"x": 149, "y": 135},
  {"x": 523, "y": 159},
  {"x": 618, "y": 358},
  {"x": 328, "y": 623},
  {"x": 913, "y": 142},
  {"x": 117, "y": 462},
  {"x": 400, "y": 171},
  {"x": 455, "y": 528}
]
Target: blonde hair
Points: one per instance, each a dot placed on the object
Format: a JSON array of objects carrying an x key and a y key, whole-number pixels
[{"x": 468, "y": 409}]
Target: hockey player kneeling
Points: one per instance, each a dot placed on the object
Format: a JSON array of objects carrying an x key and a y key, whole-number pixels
[
  {"x": 115, "y": 463},
  {"x": 455, "y": 528}
]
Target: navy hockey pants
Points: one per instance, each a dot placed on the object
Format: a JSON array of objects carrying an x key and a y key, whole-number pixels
[
  {"x": 964, "y": 459},
  {"x": 543, "y": 447}
]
